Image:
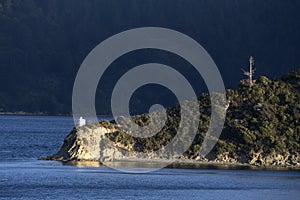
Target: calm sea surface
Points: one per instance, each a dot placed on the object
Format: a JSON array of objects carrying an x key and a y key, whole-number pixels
[{"x": 23, "y": 139}]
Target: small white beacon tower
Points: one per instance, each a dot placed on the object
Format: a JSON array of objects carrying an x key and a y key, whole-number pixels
[{"x": 82, "y": 121}]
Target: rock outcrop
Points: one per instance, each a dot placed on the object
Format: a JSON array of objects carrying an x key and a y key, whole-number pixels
[{"x": 89, "y": 144}]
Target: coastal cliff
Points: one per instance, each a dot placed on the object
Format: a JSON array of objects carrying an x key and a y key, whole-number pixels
[
  {"x": 90, "y": 144},
  {"x": 262, "y": 128},
  {"x": 87, "y": 143}
]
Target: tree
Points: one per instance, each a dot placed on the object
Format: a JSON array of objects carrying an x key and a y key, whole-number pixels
[{"x": 251, "y": 71}]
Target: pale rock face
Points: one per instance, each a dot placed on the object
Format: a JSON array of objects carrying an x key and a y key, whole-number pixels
[{"x": 85, "y": 143}]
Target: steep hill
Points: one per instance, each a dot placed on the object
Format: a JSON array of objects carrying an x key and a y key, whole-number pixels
[{"x": 43, "y": 43}]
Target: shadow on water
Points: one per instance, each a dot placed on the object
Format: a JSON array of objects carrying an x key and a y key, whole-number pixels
[{"x": 175, "y": 165}]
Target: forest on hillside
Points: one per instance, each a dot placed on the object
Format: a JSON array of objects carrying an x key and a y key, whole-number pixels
[{"x": 263, "y": 118}]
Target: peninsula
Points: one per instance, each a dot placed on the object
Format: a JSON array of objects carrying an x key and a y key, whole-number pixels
[{"x": 262, "y": 128}]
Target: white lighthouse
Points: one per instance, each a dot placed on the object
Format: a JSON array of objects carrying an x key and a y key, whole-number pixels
[{"x": 82, "y": 121}]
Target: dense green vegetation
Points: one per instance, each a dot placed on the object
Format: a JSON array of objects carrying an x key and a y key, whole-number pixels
[
  {"x": 264, "y": 117},
  {"x": 43, "y": 43}
]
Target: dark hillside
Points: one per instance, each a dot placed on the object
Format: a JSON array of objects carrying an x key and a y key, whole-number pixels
[{"x": 42, "y": 43}]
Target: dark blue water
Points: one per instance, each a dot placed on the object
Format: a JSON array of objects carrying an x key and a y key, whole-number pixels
[{"x": 23, "y": 139}]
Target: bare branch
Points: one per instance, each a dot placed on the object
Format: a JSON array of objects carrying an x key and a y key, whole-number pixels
[{"x": 251, "y": 71}]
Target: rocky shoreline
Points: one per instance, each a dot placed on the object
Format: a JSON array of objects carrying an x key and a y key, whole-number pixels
[{"x": 89, "y": 146}]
